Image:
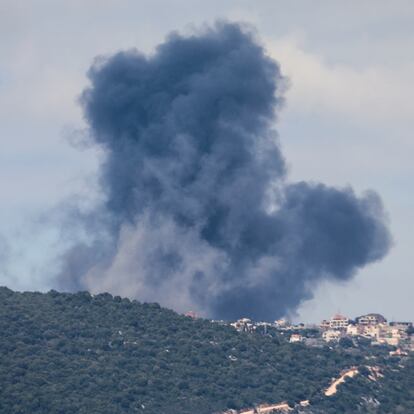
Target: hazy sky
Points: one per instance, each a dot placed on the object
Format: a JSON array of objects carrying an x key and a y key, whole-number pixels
[{"x": 348, "y": 118}]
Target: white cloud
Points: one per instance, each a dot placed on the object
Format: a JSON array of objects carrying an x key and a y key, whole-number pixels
[{"x": 375, "y": 92}]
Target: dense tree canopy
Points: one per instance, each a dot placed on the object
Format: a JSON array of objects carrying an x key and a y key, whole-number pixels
[{"x": 77, "y": 353}]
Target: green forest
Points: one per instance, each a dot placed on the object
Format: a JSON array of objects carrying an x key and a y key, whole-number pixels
[{"x": 64, "y": 353}]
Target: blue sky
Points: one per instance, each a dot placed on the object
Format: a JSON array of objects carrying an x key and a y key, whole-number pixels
[{"x": 348, "y": 119}]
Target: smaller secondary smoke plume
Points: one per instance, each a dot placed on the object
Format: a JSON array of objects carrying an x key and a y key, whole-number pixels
[{"x": 197, "y": 212}]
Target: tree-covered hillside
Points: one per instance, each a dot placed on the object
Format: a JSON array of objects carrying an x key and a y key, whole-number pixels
[{"x": 76, "y": 353}]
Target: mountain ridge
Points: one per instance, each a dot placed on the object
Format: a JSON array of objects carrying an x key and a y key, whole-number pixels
[{"x": 66, "y": 353}]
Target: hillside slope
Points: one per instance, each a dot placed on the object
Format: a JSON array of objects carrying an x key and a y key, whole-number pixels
[{"x": 77, "y": 353}]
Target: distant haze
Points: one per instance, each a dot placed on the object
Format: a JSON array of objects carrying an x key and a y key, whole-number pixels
[{"x": 197, "y": 211}]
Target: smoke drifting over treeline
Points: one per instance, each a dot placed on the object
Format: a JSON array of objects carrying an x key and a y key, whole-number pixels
[{"x": 198, "y": 213}]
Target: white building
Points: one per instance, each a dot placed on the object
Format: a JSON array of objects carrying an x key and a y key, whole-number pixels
[
  {"x": 243, "y": 325},
  {"x": 373, "y": 331},
  {"x": 353, "y": 330},
  {"x": 281, "y": 323},
  {"x": 391, "y": 336},
  {"x": 339, "y": 322},
  {"x": 295, "y": 338},
  {"x": 331, "y": 335},
  {"x": 371, "y": 319}
]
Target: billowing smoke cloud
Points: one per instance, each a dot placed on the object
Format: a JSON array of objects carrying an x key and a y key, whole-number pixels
[{"x": 198, "y": 214}]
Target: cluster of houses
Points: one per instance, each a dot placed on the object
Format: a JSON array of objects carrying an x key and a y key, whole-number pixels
[{"x": 372, "y": 326}]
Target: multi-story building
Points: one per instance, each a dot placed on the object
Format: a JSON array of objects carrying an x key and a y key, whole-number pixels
[
  {"x": 336, "y": 322},
  {"x": 371, "y": 319},
  {"x": 391, "y": 335},
  {"x": 372, "y": 331},
  {"x": 339, "y": 322},
  {"x": 354, "y": 330}
]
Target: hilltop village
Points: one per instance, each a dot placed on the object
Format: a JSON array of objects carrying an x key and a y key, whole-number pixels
[
  {"x": 372, "y": 328},
  {"x": 339, "y": 331},
  {"x": 78, "y": 353}
]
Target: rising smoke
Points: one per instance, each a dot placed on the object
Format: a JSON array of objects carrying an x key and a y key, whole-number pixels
[{"x": 197, "y": 213}]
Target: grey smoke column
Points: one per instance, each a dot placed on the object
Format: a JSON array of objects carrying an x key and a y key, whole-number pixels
[{"x": 198, "y": 214}]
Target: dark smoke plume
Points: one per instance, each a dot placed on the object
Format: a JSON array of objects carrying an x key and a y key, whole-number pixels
[{"x": 197, "y": 212}]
